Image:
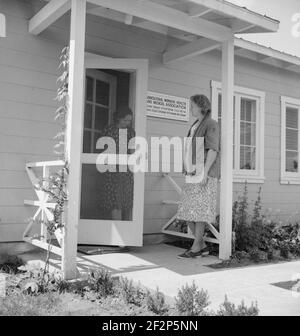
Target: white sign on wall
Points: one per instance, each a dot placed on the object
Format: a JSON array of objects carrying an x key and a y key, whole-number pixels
[{"x": 168, "y": 107}]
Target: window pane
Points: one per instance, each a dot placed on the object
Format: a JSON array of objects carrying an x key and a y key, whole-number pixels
[
  {"x": 248, "y": 134},
  {"x": 87, "y": 141},
  {"x": 102, "y": 93},
  {"x": 89, "y": 88},
  {"x": 291, "y": 139},
  {"x": 88, "y": 115},
  {"x": 247, "y": 158},
  {"x": 291, "y": 161},
  {"x": 101, "y": 117},
  {"x": 292, "y": 117},
  {"x": 248, "y": 109}
]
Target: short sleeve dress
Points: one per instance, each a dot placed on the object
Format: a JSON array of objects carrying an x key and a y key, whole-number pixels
[{"x": 117, "y": 189}]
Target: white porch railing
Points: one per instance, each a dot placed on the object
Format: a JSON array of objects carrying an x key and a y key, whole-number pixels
[
  {"x": 188, "y": 234},
  {"x": 43, "y": 206}
]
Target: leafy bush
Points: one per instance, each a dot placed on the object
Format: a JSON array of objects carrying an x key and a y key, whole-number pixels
[
  {"x": 9, "y": 264},
  {"x": 131, "y": 294},
  {"x": 191, "y": 302},
  {"x": 156, "y": 303},
  {"x": 287, "y": 240},
  {"x": 101, "y": 282},
  {"x": 36, "y": 280},
  {"x": 259, "y": 236},
  {"x": 229, "y": 309}
]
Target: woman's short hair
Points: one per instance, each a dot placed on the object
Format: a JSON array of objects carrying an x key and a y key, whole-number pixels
[
  {"x": 203, "y": 102},
  {"x": 122, "y": 112}
]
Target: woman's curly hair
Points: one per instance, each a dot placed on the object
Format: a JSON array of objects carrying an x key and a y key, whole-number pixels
[{"x": 203, "y": 102}]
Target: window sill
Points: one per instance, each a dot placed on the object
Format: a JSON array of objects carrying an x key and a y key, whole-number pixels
[
  {"x": 290, "y": 180},
  {"x": 249, "y": 179}
]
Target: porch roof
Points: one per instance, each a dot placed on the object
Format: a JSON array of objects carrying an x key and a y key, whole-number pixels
[
  {"x": 193, "y": 19},
  {"x": 198, "y": 25}
]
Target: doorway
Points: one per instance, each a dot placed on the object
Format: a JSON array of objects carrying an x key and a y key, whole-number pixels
[{"x": 105, "y": 194}]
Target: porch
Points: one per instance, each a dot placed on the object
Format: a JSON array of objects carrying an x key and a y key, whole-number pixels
[{"x": 197, "y": 26}]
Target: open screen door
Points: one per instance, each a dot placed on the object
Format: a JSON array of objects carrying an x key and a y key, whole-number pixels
[{"x": 112, "y": 203}]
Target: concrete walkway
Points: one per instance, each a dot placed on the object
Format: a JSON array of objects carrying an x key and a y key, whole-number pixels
[{"x": 157, "y": 266}]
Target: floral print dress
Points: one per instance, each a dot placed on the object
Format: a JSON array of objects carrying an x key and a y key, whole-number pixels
[{"x": 117, "y": 191}]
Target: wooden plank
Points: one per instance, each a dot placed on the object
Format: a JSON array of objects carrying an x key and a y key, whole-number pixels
[
  {"x": 74, "y": 134},
  {"x": 47, "y": 15},
  {"x": 56, "y": 163},
  {"x": 227, "y": 154},
  {"x": 167, "y": 16},
  {"x": 28, "y": 128},
  {"x": 213, "y": 230},
  {"x": 195, "y": 11},
  {"x": 36, "y": 242},
  {"x": 38, "y": 203},
  {"x": 243, "y": 14},
  {"x": 170, "y": 202},
  {"x": 191, "y": 49},
  {"x": 173, "y": 183},
  {"x": 12, "y": 232}
]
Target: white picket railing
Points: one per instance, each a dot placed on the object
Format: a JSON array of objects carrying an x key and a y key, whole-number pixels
[{"x": 43, "y": 213}]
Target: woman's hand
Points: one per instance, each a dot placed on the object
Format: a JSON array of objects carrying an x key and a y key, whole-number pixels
[{"x": 204, "y": 180}]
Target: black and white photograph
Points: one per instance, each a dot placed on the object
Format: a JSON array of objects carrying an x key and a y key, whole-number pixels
[{"x": 149, "y": 161}]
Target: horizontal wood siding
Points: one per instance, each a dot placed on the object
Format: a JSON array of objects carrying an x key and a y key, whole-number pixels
[{"x": 28, "y": 72}]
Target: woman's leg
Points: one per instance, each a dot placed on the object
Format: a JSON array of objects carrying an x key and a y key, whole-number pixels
[
  {"x": 191, "y": 226},
  {"x": 199, "y": 243},
  {"x": 116, "y": 214},
  {"x": 127, "y": 214}
]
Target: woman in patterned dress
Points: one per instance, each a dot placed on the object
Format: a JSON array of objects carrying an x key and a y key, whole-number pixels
[
  {"x": 199, "y": 194},
  {"x": 117, "y": 192}
]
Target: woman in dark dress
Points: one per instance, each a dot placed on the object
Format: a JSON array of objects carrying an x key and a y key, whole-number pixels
[{"x": 117, "y": 193}]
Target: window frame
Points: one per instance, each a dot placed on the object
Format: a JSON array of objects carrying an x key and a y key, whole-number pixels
[
  {"x": 288, "y": 177},
  {"x": 112, "y": 82},
  {"x": 243, "y": 175}
]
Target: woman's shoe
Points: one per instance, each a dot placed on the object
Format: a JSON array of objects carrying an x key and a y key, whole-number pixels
[
  {"x": 187, "y": 254},
  {"x": 204, "y": 251}
]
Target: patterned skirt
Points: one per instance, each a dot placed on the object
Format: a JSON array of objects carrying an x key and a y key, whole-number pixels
[
  {"x": 198, "y": 203},
  {"x": 117, "y": 191}
]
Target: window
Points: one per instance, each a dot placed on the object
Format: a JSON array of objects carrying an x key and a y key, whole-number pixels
[
  {"x": 99, "y": 104},
  {"x": 248, "y": 131},
  {"x": 290, "y": 140}
]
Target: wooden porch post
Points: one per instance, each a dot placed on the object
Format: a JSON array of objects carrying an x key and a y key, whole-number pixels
[
  {"x": 226, "y": 149},
  {"x": 74, "y": 135}
]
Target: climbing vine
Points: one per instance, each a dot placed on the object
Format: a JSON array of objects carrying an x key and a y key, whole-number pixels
[{"x": 56, "y": 185}]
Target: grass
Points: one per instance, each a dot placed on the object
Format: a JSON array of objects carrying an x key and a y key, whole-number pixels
[
  {"x": 66, "y": 304},
  {"x": 32, "y": 292}
]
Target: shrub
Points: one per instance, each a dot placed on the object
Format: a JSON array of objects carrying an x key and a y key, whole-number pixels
[
  {"x": 156, "y": 303},
  {"x": 101, "y": 282},
  {"x": 240, "y": 223},
  {"x": 228, "y": 308},
  {"x": 261, "y": 237},
  {"x": 9, "y": 264},
  {"x": 36, "y": 280},
  {"x": 131, "y": 294},
  {"x": 286, "y": 239},
  {"x": 191, "y": 302}
]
